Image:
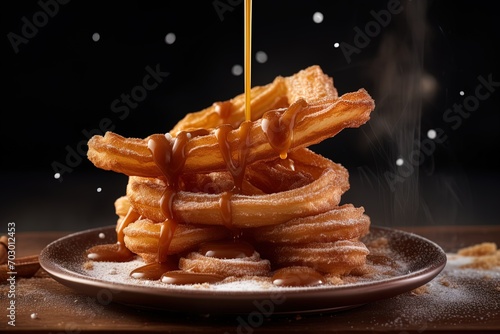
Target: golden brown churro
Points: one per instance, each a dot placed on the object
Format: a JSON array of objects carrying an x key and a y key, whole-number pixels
[{"x": 313, "y": 124}]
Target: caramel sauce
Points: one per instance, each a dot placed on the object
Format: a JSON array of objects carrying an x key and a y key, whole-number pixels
[
  {"x": 235, "y": 167},
  {"x": 297, "y": 276},
  {"x": 232, "y": 249},
  {"x": 225, "y": 209},
  {"x": 110, "y": 253},
  {"x": 248, "y": 58},
  {"x": 115, "y": 252},
  {"x": 153, "y": 271},
  {"x": 278, "y": 127},
  {"x": 185, "y": 277},
  {"x": 169, "y": 154}
]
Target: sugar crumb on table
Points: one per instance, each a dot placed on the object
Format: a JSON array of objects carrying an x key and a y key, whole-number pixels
[{"x": 482, "y": 256}]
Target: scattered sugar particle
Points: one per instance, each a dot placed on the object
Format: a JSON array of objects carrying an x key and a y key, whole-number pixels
[
  {"x": 99, "y": 189},
  {"x": 400, "y": 162},
  {"x": 34, "y": 315},
  {"x": 261, "y": 57},
  {"x": 57, "y": 176},
  {"x": 431, "y": 134},
  {"x": 96, "y": 37},
  {"x": 336, "y": 45},
  {"x": 462, "y": 93},
  {"x": 102, "y": 235},
  {"x": 170, "y": 38},
  {"x": 112, "y": 271},
  {"x": 318, "y": 17},
  {"x": 237, "y": 70}
]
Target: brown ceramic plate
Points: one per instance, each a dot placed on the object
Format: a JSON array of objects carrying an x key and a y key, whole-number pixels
[{"x": 422, "y": 260}]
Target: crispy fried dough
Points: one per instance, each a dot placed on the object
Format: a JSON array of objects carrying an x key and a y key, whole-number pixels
[
  {"x": 341, "y": 223},
  {"x": 310, "y": 84},
  {"x": 313, "y": 124},
  {"x": 247, "y": 266},
  {"x": 141, "y": 237},
  {"x": 338, "y": 258},
  {"x": 286, "y": 201},
  {"x": 320, "y": 195}
]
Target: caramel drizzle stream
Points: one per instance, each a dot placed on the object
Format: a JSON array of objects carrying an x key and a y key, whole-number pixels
[{"x": 248, "y": 58}]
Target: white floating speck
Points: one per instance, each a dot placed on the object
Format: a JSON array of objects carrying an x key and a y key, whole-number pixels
[
  {"x": 336, "y": 45},
  {"x": 318, "y": 17},
  {"x": 170, "y": 38},
  {"x": 237, "y": 70},
  {"x": 99, "y": 189},
  {"x": 431, "y": 134},
  {"x": 57, "y": 175},
  {"x": 261, "y": 57},
  {"x": 400, "y": 162},
  {"x": 34, "y": 315},
  {"x": 96, "y": 37},
  {"x": 102, "y": 235},
  {"x": 462, "y": 93}
]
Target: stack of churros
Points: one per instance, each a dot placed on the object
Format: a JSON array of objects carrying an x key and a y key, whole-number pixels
[{"x": 223, "y": 197}]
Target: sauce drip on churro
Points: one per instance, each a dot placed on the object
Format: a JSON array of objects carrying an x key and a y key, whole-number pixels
[
  {"x": 169, "y": 154},
  {"x": 278, "y": 127},
  {"x": 235, "y": 167}
]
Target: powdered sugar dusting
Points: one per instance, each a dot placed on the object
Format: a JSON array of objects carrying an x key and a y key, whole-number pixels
[
  {"x": 381, "y": 264},
  {"x": 120, "y": 273},
  {"x": 458, "y": 296}
]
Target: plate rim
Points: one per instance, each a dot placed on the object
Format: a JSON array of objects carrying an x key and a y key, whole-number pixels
[{"x": 240, "y": 301}]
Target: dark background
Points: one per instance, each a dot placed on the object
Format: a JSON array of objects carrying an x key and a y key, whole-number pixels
[{"x": 61, "y": 83}]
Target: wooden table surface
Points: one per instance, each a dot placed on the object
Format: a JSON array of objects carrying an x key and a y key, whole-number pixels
[{"x": 466, "y": 301}]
